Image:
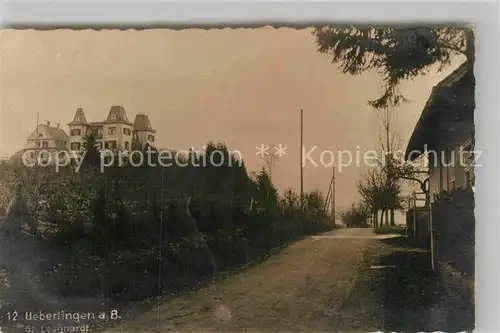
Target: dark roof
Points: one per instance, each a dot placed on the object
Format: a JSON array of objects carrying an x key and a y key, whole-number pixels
[
  {"x": 79, "y": 118},
  {"x": 448, "y": 115},
  {"x": 55, "y": 133},
  {"x": 142, "y": 123},
  {"x": 117, "y": 114}
]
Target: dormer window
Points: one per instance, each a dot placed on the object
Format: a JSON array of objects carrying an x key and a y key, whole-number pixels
[
  {"x": 77, "y": 118},
  {"x": 40, "y": 135},
  {"x": 113, "y": 117}
]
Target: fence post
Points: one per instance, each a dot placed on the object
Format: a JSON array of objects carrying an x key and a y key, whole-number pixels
[
  {"x": 431, "y": 236},
  {"x": 414, "y": 217}
]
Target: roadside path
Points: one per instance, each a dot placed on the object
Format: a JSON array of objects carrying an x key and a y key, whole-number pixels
[{"x": 303, "y": 288}]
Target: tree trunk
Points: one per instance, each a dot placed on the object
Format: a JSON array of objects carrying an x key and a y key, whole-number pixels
[{"x": 393, "y": 221}]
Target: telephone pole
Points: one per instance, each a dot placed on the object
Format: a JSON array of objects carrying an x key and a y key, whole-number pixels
[
  {"x": 301, "y": 160},
  {"x": 333, "y": 195}
]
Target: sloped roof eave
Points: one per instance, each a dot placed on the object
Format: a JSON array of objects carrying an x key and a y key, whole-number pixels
[{"x": 420, "y": 136}]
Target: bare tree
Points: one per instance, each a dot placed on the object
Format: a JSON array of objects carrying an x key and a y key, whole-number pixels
[
  {"x": 390, "y": 141},
  {"x": 370, "y": 188},
  {"x": 270, "y": 162}
]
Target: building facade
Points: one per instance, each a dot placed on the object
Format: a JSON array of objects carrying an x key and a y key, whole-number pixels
[
  {"x": 444, "y": 134},
  {"x": 44, "y": 143},
  {"x": 116, "y": 132}
]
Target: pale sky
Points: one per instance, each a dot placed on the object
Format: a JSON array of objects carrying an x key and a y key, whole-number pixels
[{"x": 244, "y": 87}]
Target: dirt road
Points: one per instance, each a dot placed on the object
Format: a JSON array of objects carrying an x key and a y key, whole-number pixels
[{"x": 303, "y": 288}]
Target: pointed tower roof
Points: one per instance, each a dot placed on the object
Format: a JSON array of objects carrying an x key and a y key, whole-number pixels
[
  {"x": 142, "y": 123},
  {"x": 79, "y": 118},
  {"x": 117, "y": 114}
]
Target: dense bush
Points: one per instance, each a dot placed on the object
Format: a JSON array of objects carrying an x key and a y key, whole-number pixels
[
  {"x": 355, "y": 216},
  {"x": 107, "y": 230}
]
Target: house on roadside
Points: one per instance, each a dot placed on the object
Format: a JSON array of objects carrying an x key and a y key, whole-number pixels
[{"x": 444, "y": 134}]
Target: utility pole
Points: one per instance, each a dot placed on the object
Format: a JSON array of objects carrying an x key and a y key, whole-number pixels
[
  {"x": 333, "y": 195},
  {"x": 328, "y": 198},
  {"x": 301, "y": 160},
  {"x": 273, "y": 158}
]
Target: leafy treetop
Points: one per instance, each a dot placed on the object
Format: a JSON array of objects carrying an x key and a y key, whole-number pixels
[{"x": 396, "y": 53}]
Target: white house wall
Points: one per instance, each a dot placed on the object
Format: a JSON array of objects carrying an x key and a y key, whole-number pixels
[{"x": 446, "y": 176}]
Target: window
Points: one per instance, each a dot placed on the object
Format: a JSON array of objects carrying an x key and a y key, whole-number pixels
[
  {"x": 40, "y": 135},
  {"x": 112, "y": 130},
  {"x": 77, "y": 118},
  {"x": 127, "y": 131},
  {"x": 110, "y": 144},
  {"x": 97, "y": 133},
  {"x": 151, "y": 138},
  {"x": 39, "y": 144},
  {"x": 75, "y": 146},
  {"x": 45, "y": 144},
  {"x": 44, "y": 158},
  {"x": 448, "y": 168},
  {"x": 76, "y": 132},
  {"x": 127, "y": 145}
]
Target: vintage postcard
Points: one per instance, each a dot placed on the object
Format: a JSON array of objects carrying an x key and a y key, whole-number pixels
[{"x": 237, "y": 180}]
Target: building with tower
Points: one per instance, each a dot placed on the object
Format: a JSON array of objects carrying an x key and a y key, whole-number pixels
[{"x": 116, "y": 132}]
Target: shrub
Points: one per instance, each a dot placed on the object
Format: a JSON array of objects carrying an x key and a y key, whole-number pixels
[
  {"x": 110, "y": 225},
  {"x": 355, "y": 216}
]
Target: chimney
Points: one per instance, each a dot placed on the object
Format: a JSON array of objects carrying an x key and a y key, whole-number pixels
[{"x": 48, "y": 123}]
